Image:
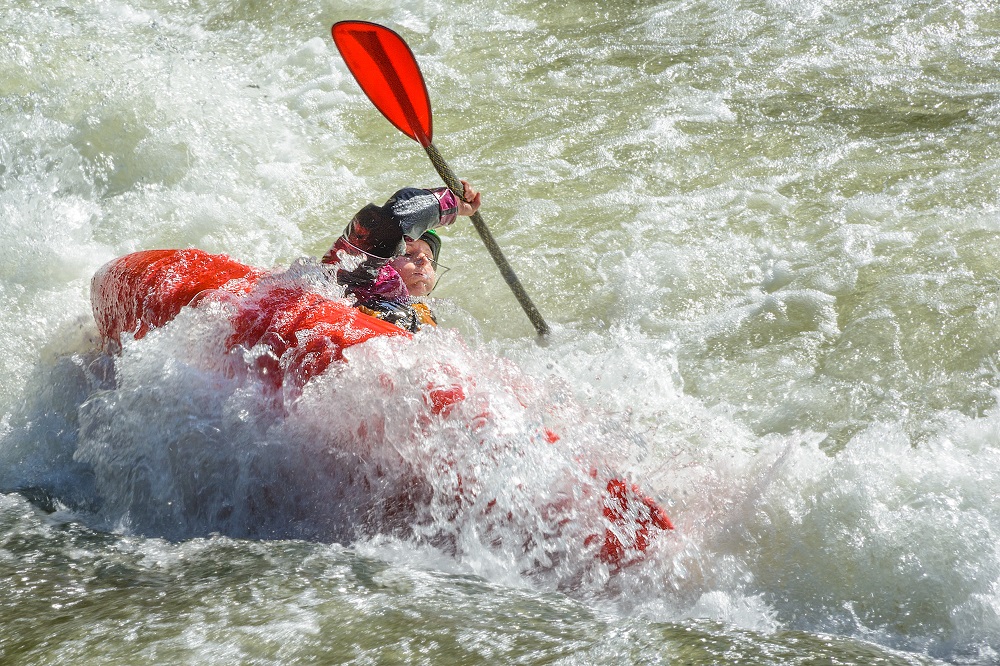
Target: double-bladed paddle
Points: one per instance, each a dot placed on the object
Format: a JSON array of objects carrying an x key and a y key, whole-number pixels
[{"x": 385, "y": 68}]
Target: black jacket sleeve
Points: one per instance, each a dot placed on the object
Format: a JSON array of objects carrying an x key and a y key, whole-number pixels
[{"x": 379, "y": 230}]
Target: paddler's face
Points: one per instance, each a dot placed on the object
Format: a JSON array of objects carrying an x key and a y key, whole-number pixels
[{"x": 416, "y": 267}]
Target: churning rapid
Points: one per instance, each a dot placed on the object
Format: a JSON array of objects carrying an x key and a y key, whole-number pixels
[{"x": 764, "y": 234}]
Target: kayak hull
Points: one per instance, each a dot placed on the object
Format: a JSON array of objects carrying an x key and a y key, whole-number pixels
[{"x": 302, "y": 333}]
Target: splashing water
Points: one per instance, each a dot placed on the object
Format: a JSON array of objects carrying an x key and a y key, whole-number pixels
[
  {"x": 764, "y": 233},
  {"x": 188, "y": 438}
]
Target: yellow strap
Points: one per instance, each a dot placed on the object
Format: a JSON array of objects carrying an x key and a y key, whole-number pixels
[
  {"x": 370, "y": 312},
  {"x": 424, "y": 314}
]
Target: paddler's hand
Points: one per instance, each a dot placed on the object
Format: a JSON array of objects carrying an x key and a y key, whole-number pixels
[{"x": 472, "y": 200}]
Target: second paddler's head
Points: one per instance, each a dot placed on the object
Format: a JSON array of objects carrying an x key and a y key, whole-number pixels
[{"x": 418, "y": 266}]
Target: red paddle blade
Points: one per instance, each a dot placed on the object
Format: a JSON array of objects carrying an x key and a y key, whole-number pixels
[{"x": 388, "y": 74}]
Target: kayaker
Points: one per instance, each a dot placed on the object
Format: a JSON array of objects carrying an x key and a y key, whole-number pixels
[
  {"x": 419, "y": 270},
  {"x": 382, "y": 257}
]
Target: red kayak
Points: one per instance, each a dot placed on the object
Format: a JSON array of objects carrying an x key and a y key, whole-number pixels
[{"x": 304, "y": 332}]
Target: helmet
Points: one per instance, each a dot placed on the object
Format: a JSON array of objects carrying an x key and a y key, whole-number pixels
[{"x": 433, "y": 240}]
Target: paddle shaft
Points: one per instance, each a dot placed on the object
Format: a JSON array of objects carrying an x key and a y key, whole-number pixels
[
  {"x": 386, "y": 53},
  {"x": 453, "y": 183}
]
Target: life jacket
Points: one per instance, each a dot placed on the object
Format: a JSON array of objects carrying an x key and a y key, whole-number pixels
[{"x": 409, "y": 317}]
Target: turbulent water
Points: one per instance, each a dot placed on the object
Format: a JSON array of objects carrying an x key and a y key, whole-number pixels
[{"x": 764, "y": 233}]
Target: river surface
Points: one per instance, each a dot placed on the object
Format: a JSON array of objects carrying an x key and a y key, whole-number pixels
[{"x": 765, "y": 234}]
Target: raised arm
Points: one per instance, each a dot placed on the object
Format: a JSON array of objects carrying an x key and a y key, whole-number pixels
[{"x": 378, "y": 231}]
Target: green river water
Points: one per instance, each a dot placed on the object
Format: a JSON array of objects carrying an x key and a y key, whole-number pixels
[{"x": 765, "y": 234}]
